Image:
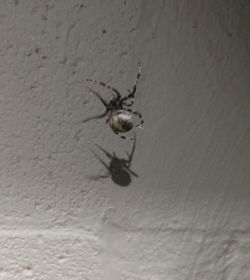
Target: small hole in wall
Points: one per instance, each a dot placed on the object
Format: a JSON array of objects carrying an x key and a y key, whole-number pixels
[{"x": 27, "y": 271}]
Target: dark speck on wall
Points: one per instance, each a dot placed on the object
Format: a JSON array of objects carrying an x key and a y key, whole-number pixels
[
  {"x": 37, "y": 50},
  {"x": 83, "y": 5}
]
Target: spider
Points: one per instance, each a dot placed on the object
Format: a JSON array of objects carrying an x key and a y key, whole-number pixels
[{"x": 119, "y": 115}]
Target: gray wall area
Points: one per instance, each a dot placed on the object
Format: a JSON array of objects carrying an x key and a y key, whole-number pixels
[{"x": 77, "y": 201}]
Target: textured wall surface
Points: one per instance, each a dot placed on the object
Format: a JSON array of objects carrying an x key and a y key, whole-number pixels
[{"x": 181, "y": 209}]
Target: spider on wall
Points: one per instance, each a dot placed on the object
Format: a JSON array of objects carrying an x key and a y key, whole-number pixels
[{"x": 119, "y": 115}]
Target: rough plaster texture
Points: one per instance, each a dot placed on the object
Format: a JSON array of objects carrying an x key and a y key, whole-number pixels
[{"x": 187, "y": 213}]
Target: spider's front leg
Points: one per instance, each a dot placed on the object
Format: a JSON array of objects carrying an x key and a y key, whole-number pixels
[
  {"x": 96, "y": 117},
  {"x": 127, "y": 98},
  {"x": 109, "y": 117},
  {"x": 132, "y": 93},
  {"x": 106, "y": 86}
]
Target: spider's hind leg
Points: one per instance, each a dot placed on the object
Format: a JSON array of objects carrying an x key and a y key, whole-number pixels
[
  {"x": 139, "y": 115},
  {"x": 122, "y": 136}
]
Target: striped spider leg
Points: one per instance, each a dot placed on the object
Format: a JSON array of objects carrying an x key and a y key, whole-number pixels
[{"x": 131, "y": 94}]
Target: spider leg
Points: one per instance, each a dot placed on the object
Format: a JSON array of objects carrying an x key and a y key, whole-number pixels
[
  {"x": 105, "y": 85},
  {"x": 129, "y": 104},
  {"x": 99, "y": 97},
  {"x": 122, "y": 136},
  {"x": 117, "y": 133},
  {"x": 109, "y": 117},
  {"x": 139, "y": 115},
  {"x": 132, "y": 93},
  {"x": 96, "y": 117},
  {"x": 126, "y": 98},
  {"x": 130, "y": 156}
]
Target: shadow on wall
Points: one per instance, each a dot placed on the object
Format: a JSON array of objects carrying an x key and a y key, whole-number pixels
[{"x": 118, "y": 168}]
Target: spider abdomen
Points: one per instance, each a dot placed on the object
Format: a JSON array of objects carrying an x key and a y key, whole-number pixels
[{"x": 121, "y": 121}]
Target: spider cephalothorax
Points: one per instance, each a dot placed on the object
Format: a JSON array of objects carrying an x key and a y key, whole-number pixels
[{"x": 119, "y": 115}]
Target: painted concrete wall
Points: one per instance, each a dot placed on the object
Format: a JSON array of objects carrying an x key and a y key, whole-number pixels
[{"x": 180, "y": 208}]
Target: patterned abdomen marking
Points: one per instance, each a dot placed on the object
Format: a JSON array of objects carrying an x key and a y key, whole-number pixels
[{"x": 121, "y": 121}]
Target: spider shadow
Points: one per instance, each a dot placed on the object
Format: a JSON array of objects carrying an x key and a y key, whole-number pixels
[{"x": 118, "y": 168}]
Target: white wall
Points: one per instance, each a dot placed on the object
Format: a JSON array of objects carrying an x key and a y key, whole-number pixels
[{"x": 186, "y": 215}]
